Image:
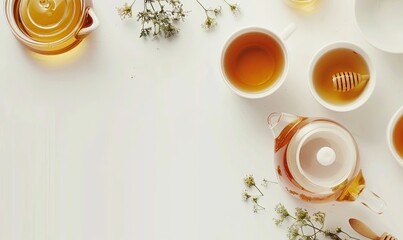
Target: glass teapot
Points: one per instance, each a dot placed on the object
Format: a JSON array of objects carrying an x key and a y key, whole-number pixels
[
  {"x": 50, "y": 26},
  {"x": 317, "y": 160}
]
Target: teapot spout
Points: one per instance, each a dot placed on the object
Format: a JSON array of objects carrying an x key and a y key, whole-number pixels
[{"x": 278, "y": 121}]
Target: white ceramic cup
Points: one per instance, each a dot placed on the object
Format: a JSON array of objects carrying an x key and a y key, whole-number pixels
[
  {"x": 279, "y": 38},
  {"x": 380, "y": 22},
  {"x": 364, "y": 96},
  {"x": 389, "y": 135}
]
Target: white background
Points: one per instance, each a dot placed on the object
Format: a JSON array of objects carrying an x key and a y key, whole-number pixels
[{"x": 142, "y": 139}]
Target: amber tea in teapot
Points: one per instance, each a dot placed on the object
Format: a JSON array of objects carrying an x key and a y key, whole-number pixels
[
  {"x": 317, "y": 160},
  {"x": 61, "y": 18},
  {"x": 50, "y": 26}
]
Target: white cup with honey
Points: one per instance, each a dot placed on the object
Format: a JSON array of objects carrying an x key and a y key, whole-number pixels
[
  {"x": 341, "y": 76},
  {"x": 254, "y": 61},
  {"x": 394, "y": 135},
  {"x": 50, "y": 26}
]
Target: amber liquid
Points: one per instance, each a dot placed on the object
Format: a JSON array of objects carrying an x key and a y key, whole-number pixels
[
  {"x": 353, "y": 189},
  {"x": 398, "y": 136},
  {"x": 47, "y": 20},
  {"x": 334, "y": 61},
  {"x": 346, "y": 191},
  {"x": 50, "y": 26},
  {"x": 306, "y": 5},
  {"x": 254, "y": 61}
]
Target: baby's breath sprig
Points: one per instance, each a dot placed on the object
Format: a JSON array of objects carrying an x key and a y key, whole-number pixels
[
  {"x": 234, "y": 7},
  {"x": 249, "y": 181},
  {"x": 257, "y": 207},
  {"x": 211, "y": 14},
  {"x": 305, "y": 226},
  {"x": 160, "y": 17},
  {"x": 126, "y": 11},
  {"x": 266, "y": 182}
]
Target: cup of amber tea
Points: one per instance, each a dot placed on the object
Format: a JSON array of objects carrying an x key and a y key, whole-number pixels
[
  {"x": 254, "y": 61},
  {"x": 335, "y": 58},
  {"x": 50, "y": 26},
  {"x": 395, "y": 135}
]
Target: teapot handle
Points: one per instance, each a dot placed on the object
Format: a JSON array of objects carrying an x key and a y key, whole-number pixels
[
  {"x": 372, "y": 201},
  {"x": 94, "y": 23}
]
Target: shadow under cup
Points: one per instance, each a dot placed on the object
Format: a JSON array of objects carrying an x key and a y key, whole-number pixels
[{"x": 253, "y": 62}]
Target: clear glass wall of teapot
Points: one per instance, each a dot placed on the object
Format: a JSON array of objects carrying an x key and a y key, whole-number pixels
[{"x": 317, "y": 160}]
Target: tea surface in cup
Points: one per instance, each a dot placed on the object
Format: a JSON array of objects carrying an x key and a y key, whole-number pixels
[
  {"x": 334, "y": 61},
  {"x": 253, "y": 61},
  {"x": 398, "y": 136}
]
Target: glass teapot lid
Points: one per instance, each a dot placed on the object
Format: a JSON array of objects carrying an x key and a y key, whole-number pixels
[{"x": 321, "y": 156}]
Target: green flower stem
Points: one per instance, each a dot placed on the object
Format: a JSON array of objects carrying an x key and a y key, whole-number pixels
[
  {"x": 258, "y": 189},
  {"x": 348, "y": 235},
  {"x": 315, "y": 232},
  {"x": 261, "y": 207},
  {"x": 319, "y": 230},
  {"x": 159, "y": 3},
  {"x": 151, "y": 4},
  {"x": 205, "y": 9}
]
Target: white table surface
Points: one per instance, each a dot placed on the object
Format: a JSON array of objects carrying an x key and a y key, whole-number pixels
[{"x": 142, "y": 139}]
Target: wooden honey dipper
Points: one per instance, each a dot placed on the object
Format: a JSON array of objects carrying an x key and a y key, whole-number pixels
[
  {"x": 345, "y": 81},
  {"x": 365, "y": 231}
]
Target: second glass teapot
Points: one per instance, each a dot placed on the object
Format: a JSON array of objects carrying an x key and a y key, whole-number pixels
[{"x": 317, "y": 160}]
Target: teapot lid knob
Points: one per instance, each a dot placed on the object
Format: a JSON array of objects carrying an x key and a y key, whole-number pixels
[{"x": 326, "y": 156}]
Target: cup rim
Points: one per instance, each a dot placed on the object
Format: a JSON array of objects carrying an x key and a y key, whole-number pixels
[
  {"x": 389, "y": 135},
  {"x": 369, "y": 88},
  {"x": 272, "y": 88},
  {"x": 9, "y": 12}
]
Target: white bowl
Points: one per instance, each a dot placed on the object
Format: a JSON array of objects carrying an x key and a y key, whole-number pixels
[
  {"x": 389, "y": 135},
  {"x": 381, "y": 23}
]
